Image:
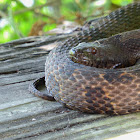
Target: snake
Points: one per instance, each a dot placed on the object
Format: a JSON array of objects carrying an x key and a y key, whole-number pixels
[{"x": 97, "y": 70}]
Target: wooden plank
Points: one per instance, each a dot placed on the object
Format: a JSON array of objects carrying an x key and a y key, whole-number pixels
[{"x": 24, "y": 116}]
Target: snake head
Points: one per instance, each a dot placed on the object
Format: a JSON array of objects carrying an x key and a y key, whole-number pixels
[
  {"x": 99, "y": 55},
  {"x": 89, "y": 54}
]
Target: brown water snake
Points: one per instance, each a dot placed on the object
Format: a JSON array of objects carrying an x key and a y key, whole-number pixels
[{"x": 98, "y": 89}]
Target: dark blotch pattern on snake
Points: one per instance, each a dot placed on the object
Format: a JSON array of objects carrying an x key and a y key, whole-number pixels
[{"x": 112, "y": 84}]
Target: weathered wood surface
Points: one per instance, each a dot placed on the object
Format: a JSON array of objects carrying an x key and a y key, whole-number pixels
[{"x": 24, "y": 116}]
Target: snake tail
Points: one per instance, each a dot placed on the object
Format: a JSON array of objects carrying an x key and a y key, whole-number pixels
[{"x": 33, "y": 88}]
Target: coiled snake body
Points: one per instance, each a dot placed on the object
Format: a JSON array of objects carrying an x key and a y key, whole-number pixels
[{"x": 101, "y": 88}]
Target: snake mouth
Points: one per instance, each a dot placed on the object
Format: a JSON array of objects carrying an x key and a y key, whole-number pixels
[
  {"x": 95, "y": 55},
  {"x": 98, "y": 63}
]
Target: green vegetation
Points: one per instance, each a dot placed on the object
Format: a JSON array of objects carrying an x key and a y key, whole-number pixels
[{"x": 17, "y": 20}]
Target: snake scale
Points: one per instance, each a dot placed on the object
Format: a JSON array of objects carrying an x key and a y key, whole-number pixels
[{"x": 77, "y": 77}]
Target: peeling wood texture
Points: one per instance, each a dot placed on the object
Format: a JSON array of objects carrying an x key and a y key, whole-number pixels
[{"x": 24, "y": 116}]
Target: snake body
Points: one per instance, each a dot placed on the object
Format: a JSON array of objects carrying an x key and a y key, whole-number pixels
[{"x": 98, "y": 89}]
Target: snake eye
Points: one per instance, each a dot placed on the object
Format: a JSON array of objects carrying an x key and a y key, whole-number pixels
[{"x": 93, "y": 51}]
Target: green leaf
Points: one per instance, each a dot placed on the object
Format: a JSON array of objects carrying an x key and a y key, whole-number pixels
[{"x": 121, "y": 2}]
